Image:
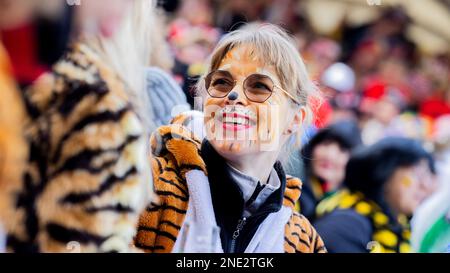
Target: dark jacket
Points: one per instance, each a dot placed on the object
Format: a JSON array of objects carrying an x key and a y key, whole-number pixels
[
  {"x": 224, "y": 189},
  {"x": 345, "y": 231}
]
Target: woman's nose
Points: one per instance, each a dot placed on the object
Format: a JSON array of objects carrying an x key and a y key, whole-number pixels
[
  {"x": 236, "y": 96},
  {"x": 233, "y": 95}
]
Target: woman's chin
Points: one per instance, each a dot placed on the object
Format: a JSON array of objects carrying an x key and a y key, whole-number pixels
[{"x": 235, "y": 147}]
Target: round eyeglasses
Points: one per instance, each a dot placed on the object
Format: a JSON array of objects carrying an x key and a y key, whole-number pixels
[{"x": 257, "y": 87}]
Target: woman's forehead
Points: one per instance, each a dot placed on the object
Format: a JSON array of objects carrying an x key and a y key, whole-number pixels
[{"x": 243, "y": 60}]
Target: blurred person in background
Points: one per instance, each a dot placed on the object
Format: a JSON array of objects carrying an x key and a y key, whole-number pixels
[
  {"x": 431, "y": 222},
  {"x": 87, "y": 176},
  {"x": 235, "y": 196},
  {"x": 338, "y": 105},
  {"x": 320, "y": 54},
  {"x": 192, "y": 37},
  {"x": 365, "y": 58},
  {"x": 163, "y": 91},
  {"x": 388, "y": 30},
  {"x": 291, "y": 15},
  {"x": 232, "y": 14},
  {"x": 385, "y": 183},
  {"x": 382, "y": 102},
  {"x": 436, "y": 101},
  {"x": 35, "y": 34},
  {"x": 389, "y": 104},
  {"x": 325, "y": 157},
  {"x": 338, "y": 84}
]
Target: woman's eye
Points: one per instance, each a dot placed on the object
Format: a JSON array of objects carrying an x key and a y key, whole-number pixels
[
  {"x": 221, "y": 82},
  {"x": 260, "y": 85}
]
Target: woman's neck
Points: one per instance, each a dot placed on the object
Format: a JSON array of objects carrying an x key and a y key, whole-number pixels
[{"x": 258, "y": 166}]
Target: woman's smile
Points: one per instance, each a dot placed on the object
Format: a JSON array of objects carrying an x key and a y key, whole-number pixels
[{"x": 236, "y": 118}]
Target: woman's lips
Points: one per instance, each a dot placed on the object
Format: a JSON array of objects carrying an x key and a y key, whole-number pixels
[
  {"x": 235, "y": 118},
  {"x": 236, "y": 122}
]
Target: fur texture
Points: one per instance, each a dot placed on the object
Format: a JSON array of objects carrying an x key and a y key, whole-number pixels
[{"x": 84, "y": 184}]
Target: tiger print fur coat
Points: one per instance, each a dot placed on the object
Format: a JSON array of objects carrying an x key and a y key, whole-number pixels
[
  {"x": 176, "y": 151},
  {"x": 84, "y": 185}
]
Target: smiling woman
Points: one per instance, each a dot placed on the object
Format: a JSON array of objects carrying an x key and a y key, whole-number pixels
[{"x": 255, "y": 98}]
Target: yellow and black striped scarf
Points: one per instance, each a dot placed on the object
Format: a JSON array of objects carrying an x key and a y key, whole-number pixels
[{"x": 387, "y": 237}]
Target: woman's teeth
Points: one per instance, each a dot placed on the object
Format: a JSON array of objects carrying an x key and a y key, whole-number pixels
[{"x": 236, "y": 120}]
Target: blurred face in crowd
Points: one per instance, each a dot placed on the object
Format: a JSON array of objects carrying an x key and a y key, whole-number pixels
[
  {"x": 366, "y": 57},
  {"x": 259, "y": 118},
  {"x": 409, "y": 187},
  {"x": 393, "y": 72},
  {"x": 202, "y": 15},
  {"x": 328, "y": 163},
  {"x": 322, "y": 53},
  {"x": 385, "y": 111},
  {"x": 103, "y": 16}
]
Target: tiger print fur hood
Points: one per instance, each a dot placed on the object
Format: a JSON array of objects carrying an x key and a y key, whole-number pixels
[
  {"x": 176, "y": 155},
  {"x": 84, "y": 183}
]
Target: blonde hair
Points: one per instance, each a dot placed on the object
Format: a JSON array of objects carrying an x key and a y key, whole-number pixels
[{"x": 274, "y": 46}]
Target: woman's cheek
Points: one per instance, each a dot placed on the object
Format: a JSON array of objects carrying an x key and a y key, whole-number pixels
[
  {"x": 269, "y": 122},
  {"x": 211, "y": 108},
  {"x": 213, "y": 105}
]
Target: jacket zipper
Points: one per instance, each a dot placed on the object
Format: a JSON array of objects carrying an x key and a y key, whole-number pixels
[
  {"x": 236, "y": 233},
  {"x": 241, "y": 224}
]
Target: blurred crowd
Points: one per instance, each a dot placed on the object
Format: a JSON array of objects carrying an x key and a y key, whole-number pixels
[{"x": 374, "y": 163}]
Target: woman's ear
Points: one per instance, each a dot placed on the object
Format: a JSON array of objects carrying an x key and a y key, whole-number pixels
[{"x": 296, "y": 122}]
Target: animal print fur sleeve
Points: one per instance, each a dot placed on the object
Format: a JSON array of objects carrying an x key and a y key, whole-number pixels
[
  {"x": 301, "y": 237},
  {"x": 175, "y": 151},
  {"x": 85, "y": 185}
]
